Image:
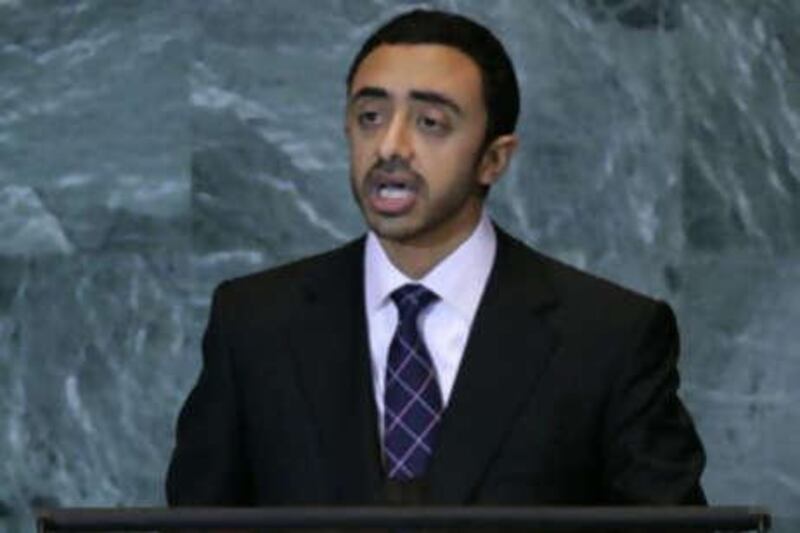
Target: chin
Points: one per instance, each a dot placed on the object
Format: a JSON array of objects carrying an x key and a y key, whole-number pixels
[
  {"x": 397, "y": 230},
  {"x": 392, "y": 232}
]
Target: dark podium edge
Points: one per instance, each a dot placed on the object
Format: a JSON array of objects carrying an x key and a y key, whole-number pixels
[{"x": 721, "y": 518}]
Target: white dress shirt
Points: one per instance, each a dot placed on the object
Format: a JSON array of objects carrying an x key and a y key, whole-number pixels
[{"x": 459, "y": 280}]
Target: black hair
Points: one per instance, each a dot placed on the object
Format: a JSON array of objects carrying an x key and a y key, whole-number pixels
[{"x": 422, "y": 26}]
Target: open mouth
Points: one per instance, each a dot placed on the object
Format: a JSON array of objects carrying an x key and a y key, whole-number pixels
[
  {"x": 394, "y": 190},
  {"x": 392, "y": 195}
]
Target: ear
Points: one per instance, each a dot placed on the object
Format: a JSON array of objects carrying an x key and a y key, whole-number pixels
[{"x": 496, "y": 158}]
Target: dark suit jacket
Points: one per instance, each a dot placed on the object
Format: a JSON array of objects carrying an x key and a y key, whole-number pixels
[{"x": 566, "y": 394}]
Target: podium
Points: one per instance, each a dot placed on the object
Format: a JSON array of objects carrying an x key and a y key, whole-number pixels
[{"x": 478, "y": 518}]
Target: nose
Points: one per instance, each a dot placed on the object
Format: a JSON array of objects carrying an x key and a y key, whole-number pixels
[{"x": 397, "y": 142}]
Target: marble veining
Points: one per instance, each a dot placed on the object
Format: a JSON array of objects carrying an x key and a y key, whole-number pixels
[{"x": 150, "y": 149}]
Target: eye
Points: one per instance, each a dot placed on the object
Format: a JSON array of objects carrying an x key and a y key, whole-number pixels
[
  {"x": 432, "y": 124},
  {"x": 368, "y": 118}
]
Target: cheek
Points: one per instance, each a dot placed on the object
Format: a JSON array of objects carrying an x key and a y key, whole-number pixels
[
  {"x": 362, "y": 162},
  {"x": 358, "y": 158},
  {"x": 450, "y": 163}
]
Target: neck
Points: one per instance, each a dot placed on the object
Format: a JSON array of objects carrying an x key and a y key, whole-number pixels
[{"x": 418, "y": 256}]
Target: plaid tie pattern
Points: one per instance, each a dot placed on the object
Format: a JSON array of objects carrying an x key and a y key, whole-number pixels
[{"x": 412, "y": 399}]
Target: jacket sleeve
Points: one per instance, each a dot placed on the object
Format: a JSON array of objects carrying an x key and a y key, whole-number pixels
[
  {"x": 207, "y": 464},
  {"x": 653, "y": 453}
]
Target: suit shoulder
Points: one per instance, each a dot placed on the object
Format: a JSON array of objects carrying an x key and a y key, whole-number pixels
[
  {"x": 289, "y": 277},
  {"x": 583, "y": 285},
  {"x": 592, "y": 311},
  {"x": 576, "y": 287}
]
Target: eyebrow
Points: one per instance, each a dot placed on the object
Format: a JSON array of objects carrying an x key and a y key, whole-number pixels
[
  {"x": 369, "y": 92},
  {"x": 430, "y": 97}
]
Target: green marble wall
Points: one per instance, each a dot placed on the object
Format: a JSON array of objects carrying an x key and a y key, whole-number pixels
[{"x": 151, "y": 148}]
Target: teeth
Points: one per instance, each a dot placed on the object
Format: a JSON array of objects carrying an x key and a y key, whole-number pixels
[{"x": 392, "y": 191}]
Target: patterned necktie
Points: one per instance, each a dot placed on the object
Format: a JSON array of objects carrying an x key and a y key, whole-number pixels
[{"x": 412, "y": 399}]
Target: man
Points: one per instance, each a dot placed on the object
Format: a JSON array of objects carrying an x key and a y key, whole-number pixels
[{"x": 437, "y": 360}]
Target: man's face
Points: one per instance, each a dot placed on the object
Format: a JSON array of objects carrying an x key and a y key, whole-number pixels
[{"x": 415, "y": 124}]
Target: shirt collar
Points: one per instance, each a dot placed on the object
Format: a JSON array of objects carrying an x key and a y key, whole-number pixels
[{"x": 459, "y": 279}]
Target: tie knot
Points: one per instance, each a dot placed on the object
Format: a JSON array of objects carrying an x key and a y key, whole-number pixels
[{"x": 412, "y": 298}]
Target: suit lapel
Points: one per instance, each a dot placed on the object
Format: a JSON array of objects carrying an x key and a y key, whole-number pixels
[
  {"x": 506, "y": 354},
  {"x": 331, "y": 350}
]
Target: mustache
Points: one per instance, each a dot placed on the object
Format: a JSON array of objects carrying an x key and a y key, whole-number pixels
[
  {"x": 391, "y": 166},
  {"x": 388, "y": 167}
]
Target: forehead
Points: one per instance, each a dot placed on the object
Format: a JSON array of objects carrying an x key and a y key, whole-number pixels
[{"x": 402, "y": 68}]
